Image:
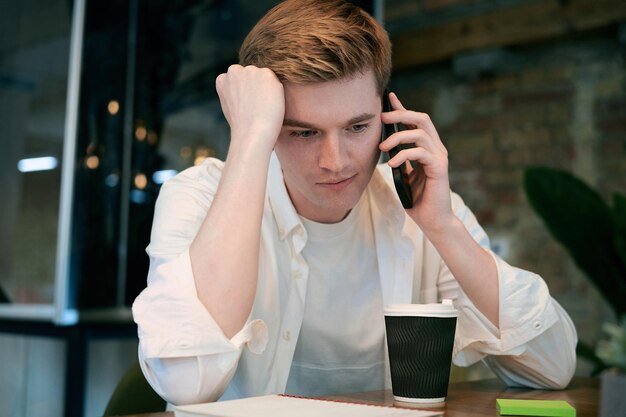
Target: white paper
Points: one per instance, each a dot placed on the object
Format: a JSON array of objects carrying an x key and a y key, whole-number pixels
[{"x": 285, "y": 406}]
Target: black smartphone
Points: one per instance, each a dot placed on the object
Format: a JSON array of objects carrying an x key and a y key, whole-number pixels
[{"x": 400, "y": 176}]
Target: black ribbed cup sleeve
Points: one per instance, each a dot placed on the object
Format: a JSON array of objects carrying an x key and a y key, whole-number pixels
[{"x": 420, "y": 354}]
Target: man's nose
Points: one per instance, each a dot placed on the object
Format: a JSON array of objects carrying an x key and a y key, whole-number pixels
[{"x": 332, "y": 155}]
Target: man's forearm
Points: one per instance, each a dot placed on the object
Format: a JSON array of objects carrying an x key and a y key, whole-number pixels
[
  {"x": 472, "y": 266},
  {"x": 225, "y": 252}
]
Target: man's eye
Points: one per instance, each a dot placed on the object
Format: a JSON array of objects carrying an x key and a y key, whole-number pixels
[
  {"x": 358, "y": 128},
  {"x": 302, "y": 133}
]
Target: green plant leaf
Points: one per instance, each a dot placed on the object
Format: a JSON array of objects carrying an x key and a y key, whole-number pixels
[
  {"x": 582, "y": 222},
  {"x": 612, "y": 351},
  {"x": 619, "y": 220},
  {"x": 586, "y": 352},
  {"x": 3, "y": 297}
]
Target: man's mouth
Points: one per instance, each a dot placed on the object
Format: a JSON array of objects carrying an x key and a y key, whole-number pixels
[{"x": 337, "y": 184}]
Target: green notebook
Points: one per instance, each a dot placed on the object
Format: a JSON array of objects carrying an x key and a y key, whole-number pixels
[{"x": 546, "y": 408}]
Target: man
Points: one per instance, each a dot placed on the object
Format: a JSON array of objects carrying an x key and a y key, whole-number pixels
[{"x": 269, "y": 271}]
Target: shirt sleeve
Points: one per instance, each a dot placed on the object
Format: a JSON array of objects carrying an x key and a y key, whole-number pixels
[
  {"x": 535, "y": 343},
  {"x": 183, "y": 352}
]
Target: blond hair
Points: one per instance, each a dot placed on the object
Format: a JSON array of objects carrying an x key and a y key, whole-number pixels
[{"x": 309, "y": 41}]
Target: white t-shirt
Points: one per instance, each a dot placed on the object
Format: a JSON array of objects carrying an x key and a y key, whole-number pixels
[{"x": 340, "y": 348}]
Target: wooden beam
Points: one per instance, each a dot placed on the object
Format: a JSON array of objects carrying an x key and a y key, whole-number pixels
[{"x": 514, "y": 25}]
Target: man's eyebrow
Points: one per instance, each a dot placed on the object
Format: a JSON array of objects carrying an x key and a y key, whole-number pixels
[
  {"x": 297, "y": 123},
  {"x": 360, "y": 118},
  {"x": 304, "y": 125}
]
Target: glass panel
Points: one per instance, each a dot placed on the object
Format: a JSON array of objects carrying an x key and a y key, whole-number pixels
[
  {"x": 34, "y": 52},
  {"x": 99, "y": 156},
  {"x": 177, "y": 117},
  {"x": 161, "y": 59}
]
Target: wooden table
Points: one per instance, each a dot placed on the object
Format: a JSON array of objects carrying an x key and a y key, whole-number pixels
[{"x": 478, "y": 398}]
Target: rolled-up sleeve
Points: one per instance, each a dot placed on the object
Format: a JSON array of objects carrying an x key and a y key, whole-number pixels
[
  {"x": 184, "y": 353},
  {"x": 536, "y": 341}
]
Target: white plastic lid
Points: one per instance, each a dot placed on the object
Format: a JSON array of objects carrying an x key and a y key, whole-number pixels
[{"x": 443, "y": 309}]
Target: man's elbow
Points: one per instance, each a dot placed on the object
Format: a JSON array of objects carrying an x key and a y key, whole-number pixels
[
  {"x": 563, "y": 374},
  {"x": 559, "y": 370},
  {"x": 179, "y": 381},
  {"x": 560, "y": 378},
  {"x": 553, "y": 371}
]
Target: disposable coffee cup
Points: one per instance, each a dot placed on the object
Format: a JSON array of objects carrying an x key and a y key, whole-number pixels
[{"x": 420, "y": 338}]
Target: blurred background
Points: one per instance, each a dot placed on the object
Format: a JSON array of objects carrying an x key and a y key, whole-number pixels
[{"x": 102, "y": 101}]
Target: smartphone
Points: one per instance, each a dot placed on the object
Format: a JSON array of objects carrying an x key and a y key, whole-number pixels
[{"x": 400, "y": 176}]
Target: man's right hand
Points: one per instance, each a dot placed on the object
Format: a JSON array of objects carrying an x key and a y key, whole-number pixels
[{"x": 253, "y": 102}]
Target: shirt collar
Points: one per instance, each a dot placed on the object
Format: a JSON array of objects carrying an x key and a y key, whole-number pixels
[
  {"x": 383, "y": 197},
  {"x": 380, "y": 188},
  {"x": 284, "y": 212}
]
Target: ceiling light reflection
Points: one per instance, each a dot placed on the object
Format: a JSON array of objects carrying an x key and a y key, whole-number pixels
[
  {"x": 141, "y": 181},
  {"x": 112, "y": 180},
  {"x": 141, "y": 133},
  {"x": 138, "y": 197},
  {"x": 113, "y": 107},
  {"x": 152, "y": 137},
  {"x": 92, "y": 162},
  {"x": 185, "y": 152},
  {"x": 159, "y": 177},
  {"x": 44, "y": 163}
]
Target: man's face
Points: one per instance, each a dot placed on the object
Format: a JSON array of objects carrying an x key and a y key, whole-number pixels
[{"x": 328, "y": 145}]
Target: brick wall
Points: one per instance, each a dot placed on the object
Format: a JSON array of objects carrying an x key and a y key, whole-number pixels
[{"x": 560, "y": 104}]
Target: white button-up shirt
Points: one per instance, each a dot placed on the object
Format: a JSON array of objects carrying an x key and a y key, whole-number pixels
[{"x": 187, "y": 359}]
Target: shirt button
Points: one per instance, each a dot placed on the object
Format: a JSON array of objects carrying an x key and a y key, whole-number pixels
[
  {"x": 537, "y": 325},
  {"x": 287, "y": 335}
]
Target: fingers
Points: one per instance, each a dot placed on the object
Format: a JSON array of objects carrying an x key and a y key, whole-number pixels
[
  {"x": 252, "y": 101},
  {"x": 427, "y": 148},
  {"x": 395, "y": 102},
  {"x": 417, "y": 137},
  {"x": 410, "y": 119},
  {"x": 249, "y": 76},
  {"x": 420, "y": 155},
  {"x": 420, "y": 132}
]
